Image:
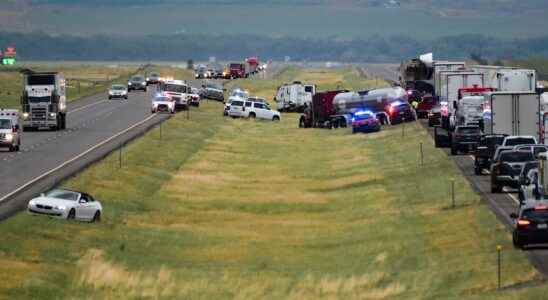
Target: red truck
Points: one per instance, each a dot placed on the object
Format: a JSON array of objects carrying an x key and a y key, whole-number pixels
[
  {"x": 320, "y": 113},
  {"x": 252, "y": 65},
  {"x": 237, "y": 70}
]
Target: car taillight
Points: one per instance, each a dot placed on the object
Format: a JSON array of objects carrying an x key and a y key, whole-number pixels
[
  {"x": 523, "y": 223},
  {"x": 391, "y": 110}
]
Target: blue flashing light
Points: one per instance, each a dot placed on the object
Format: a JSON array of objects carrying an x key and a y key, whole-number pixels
[
  {"x": 363, "y": 112},
  {"x": 396, "y": 103}
]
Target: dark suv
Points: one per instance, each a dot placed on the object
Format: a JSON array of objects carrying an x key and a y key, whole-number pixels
[
  {"x": 505, "y": 171},
  {"x": 137, "y": 82},
  {"x": 530, "y": 224},
  {"x": 465, "y": 138},
  {"x": 485, "y": 151}
]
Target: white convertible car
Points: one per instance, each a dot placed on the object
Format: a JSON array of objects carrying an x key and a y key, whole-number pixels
[{"x": 66, "y": 204}]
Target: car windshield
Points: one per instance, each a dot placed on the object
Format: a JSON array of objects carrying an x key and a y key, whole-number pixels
[
  {"x": 154, "y": 75},
  {"x": 161, "y": 99},
  {"x": 363, "y": 116},
  {"x": 237, "y": 103},
  {"x": 118, "y": 87},
  {"x": 5, "y": 124},
  {"x": 213, "y": 86},
  {"x": 468, "y": 130},
  {"x": 519, "y": 141},
  {"x": 63, "y": 194},
  {"x": 175, "y": 88},
  {"x": 517, "y": 156},
  {"x": 137, "y": 78},
  {"x": 535, "y": 215}
]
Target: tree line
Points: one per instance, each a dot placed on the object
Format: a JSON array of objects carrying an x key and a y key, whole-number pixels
[{"x": 42, "y": 46}]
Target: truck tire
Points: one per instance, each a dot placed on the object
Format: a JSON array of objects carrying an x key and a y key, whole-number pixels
[
  {"x": 454, "y": 150},
  {"x": 252, "y": 115},
  {"x": 301, "y": 123},
  {"x": 495, "y": 189},
  {"x": 477, "y": 170},
  {"x": 64, "y": 121}
]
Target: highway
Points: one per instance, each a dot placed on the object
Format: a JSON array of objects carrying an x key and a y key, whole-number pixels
[
  {"x": 501, "y": 204},
  {"x": 95, "y": 127}
]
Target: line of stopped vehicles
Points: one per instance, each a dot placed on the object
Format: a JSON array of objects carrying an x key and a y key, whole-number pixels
[{"x": 499, "y": 116}]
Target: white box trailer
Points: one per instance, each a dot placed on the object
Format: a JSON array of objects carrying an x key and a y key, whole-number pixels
[
  {"x": 450, "y": 83},
  {"x": 445, "y": 66},
  {"x": 508, "y": 78},
  {"x": 512, "y": 113}
]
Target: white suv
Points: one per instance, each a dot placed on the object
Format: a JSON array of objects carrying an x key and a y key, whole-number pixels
[
  {"x": 253, "y": 108},
  {"x": 178, "y": 91}
]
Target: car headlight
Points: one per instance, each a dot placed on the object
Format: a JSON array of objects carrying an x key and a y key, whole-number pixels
[
  {"x": 25, "y": 116},
  {"x": 9, "y": 136},
  {"x": 143, "y": 83},
  {"x": 148, "y": 79},
  {"x": 61, "y": 207},
  {"x": 52, "y": 115},
  {"x": 129, "y": 83}
]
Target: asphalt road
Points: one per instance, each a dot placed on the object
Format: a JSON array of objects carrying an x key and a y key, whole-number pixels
[{"x": 95, "y": 126}]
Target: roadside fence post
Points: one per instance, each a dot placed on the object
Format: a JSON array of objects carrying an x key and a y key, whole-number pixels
[
  {"x": 403, "y": 128},
  {"x": 421, "y": 154},
  {"x": 499, "y": 254},
  {"x": 188, "y": 112},
  {"x": 452, "y": 192},
  {"x": 160, "y": 131},
  {"x": 120, "y": 156},
  {"x": 78, "y": 81}
]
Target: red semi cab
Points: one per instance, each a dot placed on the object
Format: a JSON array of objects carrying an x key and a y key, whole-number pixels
[
  {"x": 237, "y": 70},
  {"x": 320, "y": 113}
]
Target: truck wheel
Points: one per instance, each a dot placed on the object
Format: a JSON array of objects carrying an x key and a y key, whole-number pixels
[
  {"x": 11, "y": 148},
  {"x": 276, "y": 119},
  {"x": 64, "y": 121},
  {"x": 454, "y": 150},
  {"x": 252, "y": 115},
  {"x": 477, "y": 170},
  {"x": 495, "y": 189}
]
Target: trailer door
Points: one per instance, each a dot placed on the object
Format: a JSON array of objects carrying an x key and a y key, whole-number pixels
[
  {"x": 502, "y": 118},
  {"x": 517, "y": 80},
  {"x": 528, "y": 114}
]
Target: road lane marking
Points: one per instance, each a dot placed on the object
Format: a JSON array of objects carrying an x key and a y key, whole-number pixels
[
  {"x": 39, "y": 177},
  {"x": 85, "y": 106}
]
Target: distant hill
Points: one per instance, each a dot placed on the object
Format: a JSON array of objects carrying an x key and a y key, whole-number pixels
[{"x": 346, "y": 19}]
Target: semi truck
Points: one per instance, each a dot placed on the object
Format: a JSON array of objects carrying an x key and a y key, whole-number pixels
[
  {"x": 294, "y": 96},
  {"x": 470, "y": 103},
  {"x": 251, "y": 66},
  {"x": 449, "y": 83},
  {"x": 512, "y": 113},
  {"x": 44, "y": 100},
  {"x": 237, "y": 70},
  {"x": 508, "y": 78}
]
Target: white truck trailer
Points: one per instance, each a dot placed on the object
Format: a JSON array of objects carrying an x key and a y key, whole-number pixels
[
  {"x": 450, "y": 82},
  {"x": 508, "y": 78},
  {"x": 445, "y": 66},
  {"x": 512, "y": 113},
  {"x": 294, "y": 96}
]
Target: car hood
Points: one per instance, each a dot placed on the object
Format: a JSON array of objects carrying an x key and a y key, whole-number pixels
[
  {"x": 53, "y": 201},
  {"x": 163, "y": 102}
]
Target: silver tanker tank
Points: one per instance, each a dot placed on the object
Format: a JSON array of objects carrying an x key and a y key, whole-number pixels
[{"x": 374, "y": 100}]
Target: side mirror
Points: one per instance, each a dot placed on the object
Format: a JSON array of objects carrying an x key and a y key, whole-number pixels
[{"x": 513, "y": 216}]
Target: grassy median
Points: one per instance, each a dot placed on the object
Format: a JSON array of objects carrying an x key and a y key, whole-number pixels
[{"x": 224, "y": 208}]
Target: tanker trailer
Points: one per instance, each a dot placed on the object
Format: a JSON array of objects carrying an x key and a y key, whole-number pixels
[{"x": 390, "y": 105}]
